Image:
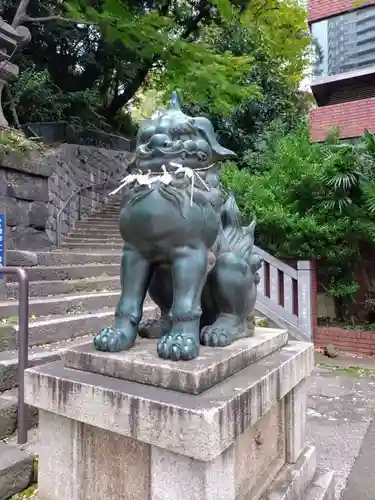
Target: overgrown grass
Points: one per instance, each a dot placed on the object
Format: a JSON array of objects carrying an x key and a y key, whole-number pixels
[
  {"x": 15, "y": 141},
  {"x": 351, "y": 371},
  {"x": 28, "y": 493}
]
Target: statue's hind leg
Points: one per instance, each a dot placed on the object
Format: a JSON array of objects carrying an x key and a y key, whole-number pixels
[
  {"x": 189, "y": 271},
  {"x": 231, "y": 283},
  {"x": 135, "y": 278}
]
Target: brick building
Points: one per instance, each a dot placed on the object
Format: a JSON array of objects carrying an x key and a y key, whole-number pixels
[
  {"x": 343, "y": 84},
  {"x": 343, "y": 80}
]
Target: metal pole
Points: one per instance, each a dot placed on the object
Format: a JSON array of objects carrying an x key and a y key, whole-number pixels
[
  {"x": 23, "y": 358},
  {"x": 80, "y": 205},
  {"x": 23, "y": 345},
  {"x": 58, "y": 230}
]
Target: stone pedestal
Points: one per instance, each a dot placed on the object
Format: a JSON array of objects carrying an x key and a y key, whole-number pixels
[
  {"x": 9, "y": 39},
  {"x": 130, "y": 426}
]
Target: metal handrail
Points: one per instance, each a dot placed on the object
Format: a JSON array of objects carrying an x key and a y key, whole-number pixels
[
  {"x": 23, "y": 345},
  {"x": 75, "y": 193}
]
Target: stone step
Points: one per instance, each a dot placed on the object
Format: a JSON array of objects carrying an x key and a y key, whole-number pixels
[
  {"x": 16, "y": 470},
  {"x": 51, "y": 273},
  {"x": 37, "y": 356},
  {"x": 322, "y": 487},
  {"x": 115, "y": 204},
  {"x": 110, "y": 206},
  {"x": 48, "y": 329},
  {"x": 58, "y": 287},
  {"x": 48, "y": 337},
  {"x": 114, "y": 215},
  {"x": 69, "y": 243},
  {"x": 62, "y": 304},
  {"x": 293, "y": 480},
  {"x": 111, "y": 210},
  {"x": 102, "y": 219},
  {"x": 93, "y": 232},
  {"x": 110, "y": 221},
  {"x": 112, "y": 251},
  {"x": 94, "y": 236},
  {"x": 75, "y": 258},
  {"x": 88, "y": 224},
  {"x": 8, "y": 413}
]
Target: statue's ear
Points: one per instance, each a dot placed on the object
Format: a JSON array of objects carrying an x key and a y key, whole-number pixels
[
  {"x": 174, "y": 103},
  {"x": 223, "y": 153},
  {"x": 205, "y": 128}
]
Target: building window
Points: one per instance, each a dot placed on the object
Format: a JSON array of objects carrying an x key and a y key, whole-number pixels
[{"x": 344, "y": 43}]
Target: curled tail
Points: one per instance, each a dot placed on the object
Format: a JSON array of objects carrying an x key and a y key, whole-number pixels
[{"x": 239, "y": 239}]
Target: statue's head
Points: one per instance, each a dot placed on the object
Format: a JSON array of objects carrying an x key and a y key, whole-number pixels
[{"x": 170, "y": 136}]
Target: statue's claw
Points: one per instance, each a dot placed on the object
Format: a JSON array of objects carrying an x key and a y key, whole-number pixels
[
  {"x": 114, "y": 339},
  {"x": 226, "y": 329},
  {"x": 178, "y": 346},
  {"x": 215, "y": 337}
]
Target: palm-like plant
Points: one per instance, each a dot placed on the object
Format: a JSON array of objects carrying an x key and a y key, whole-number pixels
[
  {"x": 349, "y": 175},
  {"x": 341, "y": 176},
  {"x": 368, "y": 179}
]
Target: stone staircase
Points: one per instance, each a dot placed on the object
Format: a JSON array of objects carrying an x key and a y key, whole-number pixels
[{"x": 73, "y": 293}]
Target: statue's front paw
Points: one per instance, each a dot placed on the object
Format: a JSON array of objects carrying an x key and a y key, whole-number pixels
[
  {"x": 215, "y": 336},
  {"x": 114, "y": 339},
  {"x": 177, "y": 346}
]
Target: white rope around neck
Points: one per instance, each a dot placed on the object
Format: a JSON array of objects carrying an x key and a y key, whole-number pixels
[{"x": 165, "y": 178}]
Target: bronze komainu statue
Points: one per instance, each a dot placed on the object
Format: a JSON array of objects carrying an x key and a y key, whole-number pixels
[{"x": 184, "y": 244}]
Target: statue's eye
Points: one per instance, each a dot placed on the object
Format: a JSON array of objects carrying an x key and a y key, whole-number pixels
[{"x": 146, "y": 135}]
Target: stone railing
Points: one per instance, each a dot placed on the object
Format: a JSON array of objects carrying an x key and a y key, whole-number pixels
[
  {"x": 57, "y": 132},
  {"x": 285, "y": 295}
]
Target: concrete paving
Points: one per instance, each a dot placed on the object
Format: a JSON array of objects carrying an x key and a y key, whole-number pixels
[{"x": 340, "y": 411}]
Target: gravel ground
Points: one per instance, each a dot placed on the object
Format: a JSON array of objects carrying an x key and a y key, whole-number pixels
[{"x": 340, "y": 410}]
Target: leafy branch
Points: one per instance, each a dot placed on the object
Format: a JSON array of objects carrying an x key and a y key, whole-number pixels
[{"x": 21, "y": 17}]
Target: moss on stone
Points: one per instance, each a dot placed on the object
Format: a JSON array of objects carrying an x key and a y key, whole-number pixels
[
  {"x": 28, "y": 493},
  {"x": 15, "y": 141}
]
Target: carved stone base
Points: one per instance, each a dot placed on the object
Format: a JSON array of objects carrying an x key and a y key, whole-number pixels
[
  {"x": 242, "y": 439},
  {"x": 141, "y": 363}
]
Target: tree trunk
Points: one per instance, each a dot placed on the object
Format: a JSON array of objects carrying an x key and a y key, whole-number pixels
[
  {"x": 20, "y": 13},
  {"x": 119, "y": 101}
]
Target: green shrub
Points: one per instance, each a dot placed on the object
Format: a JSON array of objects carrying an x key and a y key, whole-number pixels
[{"x": 311, "y": 201}]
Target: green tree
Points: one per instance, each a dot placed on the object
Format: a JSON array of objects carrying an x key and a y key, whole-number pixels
[
  {"x": 59, "y": 73},
  {"x": 134, "y": 45},
  {"x": 277, "y": 79},
  {"x": 177, "y": 44}
]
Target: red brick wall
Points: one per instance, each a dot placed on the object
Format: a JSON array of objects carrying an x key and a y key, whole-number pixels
[
  {"x": 352, "y": 118},
  {"x": 321, "y": 9},
  {"x": 346, "y": 340},
  {"x": 362, "y": 342}
]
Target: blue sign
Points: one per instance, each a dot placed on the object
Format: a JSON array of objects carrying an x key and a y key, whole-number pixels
[{"x": 2, "y": 241}]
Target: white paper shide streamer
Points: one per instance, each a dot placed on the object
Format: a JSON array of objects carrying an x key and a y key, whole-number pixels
[{"x": 164, "y": 177}]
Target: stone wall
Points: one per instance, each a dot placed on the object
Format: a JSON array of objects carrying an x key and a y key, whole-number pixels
[{"x": 33, "y": 188}]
